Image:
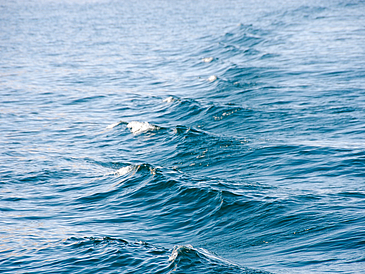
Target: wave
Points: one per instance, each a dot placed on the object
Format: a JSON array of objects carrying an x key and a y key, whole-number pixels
[
  {"x": 139, "y": 127},
  {"x": 110, "y": 254},
  {"x": 122, "y": 171},
  {"x": 136, "y": 127},
  {"x": 168, "y": 99},
  {"x": 207, "y": 59},
  {"x": 242, "y": 148},
  {"x": 187, "y": 259},
  {"x": 212, "y": 78}
]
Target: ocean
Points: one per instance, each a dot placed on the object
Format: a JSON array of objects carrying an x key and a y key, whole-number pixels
[{"x": 182, "y": 136}]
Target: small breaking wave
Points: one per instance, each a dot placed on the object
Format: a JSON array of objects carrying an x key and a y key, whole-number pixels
[
  {"x": 169, "y": 99},
  {"x": 212, "y": 78},
  {"x": 139, "y": 127},
  {"x": 122, "y": 171},
  {"x": 187, "y": 259},
  {"x": 208, "y": 59}
]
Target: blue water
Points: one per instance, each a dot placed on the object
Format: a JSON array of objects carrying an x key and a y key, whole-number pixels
[{"x": 182, "y": 136}]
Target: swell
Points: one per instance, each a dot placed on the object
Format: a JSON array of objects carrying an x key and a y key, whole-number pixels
[
  {"x": 108, "y": 255},
  {"x": 248, "y": 144},
  {"x": 194, "y": 209},
  {"x": 211, "y": 135}
]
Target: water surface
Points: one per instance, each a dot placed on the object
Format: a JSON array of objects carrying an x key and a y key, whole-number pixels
[{"x": 182, "y": 136}]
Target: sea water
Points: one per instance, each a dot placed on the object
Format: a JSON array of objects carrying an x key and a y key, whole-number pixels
[{"x": 182, "y": 136}]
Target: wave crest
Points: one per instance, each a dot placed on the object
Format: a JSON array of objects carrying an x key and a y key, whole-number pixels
[
  {"x": 187, "y": 259},
  {"x": 139, "y": 127}
]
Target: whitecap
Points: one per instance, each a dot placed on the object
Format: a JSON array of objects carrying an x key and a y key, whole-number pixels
[
  {"x": 207, "y": 59},
  {"x": 168, "y": 99},
  {"x": 212, "y": 78},
  {"x": 177, "y": 250},
  {"x": 122, "y": 171},
  {"x": 139, "y": 127},
  {"x": 200, "y": 253}
]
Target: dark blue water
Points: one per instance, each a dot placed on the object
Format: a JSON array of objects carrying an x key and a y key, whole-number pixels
[{"x": 182, "y": 136}]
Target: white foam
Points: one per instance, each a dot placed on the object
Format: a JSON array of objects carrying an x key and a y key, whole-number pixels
[
  {"x": 123, "y": 171},
  {"x": 212, "y": 78},
  {"x": 338, "y": 144},
  {"x": 139, "y": 127},
  {"x": 177, "y": 249},
  {"x": 207, "y": 59},
  {"x": 113, "y": 125},
  {"x": 168, "y": 99}
]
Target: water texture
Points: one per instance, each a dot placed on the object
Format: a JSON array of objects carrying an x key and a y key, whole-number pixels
[{"x": 182, "y": 136}]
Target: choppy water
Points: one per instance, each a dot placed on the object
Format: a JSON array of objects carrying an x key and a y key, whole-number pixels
[{"x": 182, "y": 136}]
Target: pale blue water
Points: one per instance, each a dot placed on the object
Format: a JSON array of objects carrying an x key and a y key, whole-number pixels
[{"x": 182, "y": 136}]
